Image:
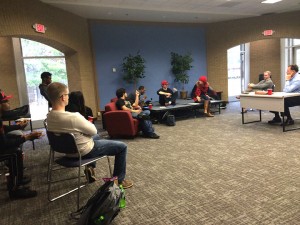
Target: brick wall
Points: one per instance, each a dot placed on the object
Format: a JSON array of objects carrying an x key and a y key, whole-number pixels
[
  {"x": 65, "y": 31},
  {"x": 224, "y": 35}
]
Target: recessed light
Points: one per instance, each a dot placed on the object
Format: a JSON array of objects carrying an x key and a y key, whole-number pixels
[{"x": 271, "y": 1}]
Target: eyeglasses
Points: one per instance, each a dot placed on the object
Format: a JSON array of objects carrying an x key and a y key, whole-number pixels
[{"x": 64, "y": 95}]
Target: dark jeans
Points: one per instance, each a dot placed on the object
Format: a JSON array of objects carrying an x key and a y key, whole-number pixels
[
  {"x": 110, "y": 148},
  {"x": 15, "y": 168},
  {"x": 172, "y": 99},
  {"x": 289, "y": 102}
]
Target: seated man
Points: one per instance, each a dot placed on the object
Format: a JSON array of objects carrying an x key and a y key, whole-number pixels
[
  {"x": 263, "y": 85},
  {"x": 167, "y": 96},
  {"x": 140, "y": 101},
  {"x": 7, "y": 113},
  {"x": 200, "y": 94},
  {"x": 292, "y": 85},
  {"x": 145, "y": 122},
  {"x": 9, "y": 143},
  {"x": 88, "y": 141}
]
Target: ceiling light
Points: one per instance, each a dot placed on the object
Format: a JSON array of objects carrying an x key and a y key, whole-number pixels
[{"x": 271, "y": 1}]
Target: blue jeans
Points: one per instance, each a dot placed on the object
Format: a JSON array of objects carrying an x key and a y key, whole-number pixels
[{"x": 110, "y": 148}]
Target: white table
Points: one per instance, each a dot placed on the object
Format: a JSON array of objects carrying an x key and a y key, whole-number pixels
[{"x": 274, "y": 102}]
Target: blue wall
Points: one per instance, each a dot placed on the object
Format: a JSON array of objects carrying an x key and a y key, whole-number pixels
[{"x": 113, "y": 41}]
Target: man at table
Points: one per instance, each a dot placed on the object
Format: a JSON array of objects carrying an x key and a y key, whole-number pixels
[{"x": 292, "y": 85}]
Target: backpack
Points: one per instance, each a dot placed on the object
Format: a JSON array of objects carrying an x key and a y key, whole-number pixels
[
  {"x": 103, "y": 206},
  {"x": 171, "y": 120}
]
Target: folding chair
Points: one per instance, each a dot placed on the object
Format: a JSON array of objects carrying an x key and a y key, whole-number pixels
[{"x": 65, "y": 143}]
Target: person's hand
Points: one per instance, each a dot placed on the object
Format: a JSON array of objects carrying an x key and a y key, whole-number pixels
[
  {"x": 174, "y": 89},
  {"x": 168, "y": 95},
  {"x": 22, "y": 124},
  {"x": 198, "y": 98},
  {"x": 137, "y": 93},
  {"x": 33, "y": 135},
  {"x": 144, "y": 97},
  {"x": 288, "y": 77}
]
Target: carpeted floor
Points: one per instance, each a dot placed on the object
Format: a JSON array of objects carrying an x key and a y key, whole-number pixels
[{"x": 202, "y": 171}]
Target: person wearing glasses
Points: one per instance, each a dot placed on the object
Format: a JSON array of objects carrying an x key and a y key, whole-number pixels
[
  {"x": 88, "y": 141},
  {"x": 292, "y": 85}
]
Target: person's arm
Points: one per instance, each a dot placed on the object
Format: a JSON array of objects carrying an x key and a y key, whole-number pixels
[
  {"x": 167, "y": 93},
  {"x": 262, "y": 85},
  {"x": 291, "y": 86},
  {"x": 83, "y": 126},
  {"x": 135, "y": 103},
  {"x": 43, "y": 91}
]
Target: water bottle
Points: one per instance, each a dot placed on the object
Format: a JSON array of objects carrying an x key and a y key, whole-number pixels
[{"x": 122, "y": 203}]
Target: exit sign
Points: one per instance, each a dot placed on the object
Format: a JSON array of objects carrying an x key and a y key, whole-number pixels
[
  {"x": 268, "y": 32},
  {"x": 40, "y": 28}
]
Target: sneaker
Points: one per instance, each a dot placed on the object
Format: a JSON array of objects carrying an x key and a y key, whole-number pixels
[
  {"x": 288, "y": 122},
  {"x": 274, "y": 120},
  {"x": 208, "y": 115},
  {"x": 22, "y": 193},
  {"x": 153, "y": 135},
  {"x": 90, "y": 174},
  {"x": 126, "y": 184}
]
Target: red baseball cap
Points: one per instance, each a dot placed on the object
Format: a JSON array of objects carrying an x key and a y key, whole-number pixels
[
  {"x": 164, "y": 82},
  {"x": 203, "y": 79},
  {"x": 3, "y": 97}
]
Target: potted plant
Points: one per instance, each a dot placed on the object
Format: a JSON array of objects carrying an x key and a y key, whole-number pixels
[
  {"x": 180, "y": 65},
  {"x": 133, "y": 68}
]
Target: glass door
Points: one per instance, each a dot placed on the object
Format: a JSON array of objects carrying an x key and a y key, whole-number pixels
[{"x": 35, "y": 59}]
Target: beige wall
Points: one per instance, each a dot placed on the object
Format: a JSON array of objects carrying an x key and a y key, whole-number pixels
[
  {"x": 66, "y": 32},
  {"x": 265, "y": 55},
  {"x": 224, "y": 35}
]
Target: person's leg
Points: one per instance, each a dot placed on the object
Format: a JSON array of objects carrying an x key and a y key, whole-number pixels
[
  {"x": 111, "y": 148},
  {"x": 276, "y": 118}
]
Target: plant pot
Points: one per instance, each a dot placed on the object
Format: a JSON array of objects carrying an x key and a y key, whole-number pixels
[{"x": 183, "y": 94}]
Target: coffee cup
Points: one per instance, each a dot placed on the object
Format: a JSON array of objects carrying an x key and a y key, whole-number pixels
[
  {"x": 91, "y": 119},
  {"x": 270, "y": 91}
]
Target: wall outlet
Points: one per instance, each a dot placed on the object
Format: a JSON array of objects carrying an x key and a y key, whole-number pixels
[{"x": 99, "y": 113}]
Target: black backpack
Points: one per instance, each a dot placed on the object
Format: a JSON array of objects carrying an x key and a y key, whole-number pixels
[
  {"x": 103, "y": 206},
  {"x": 171, "y": 120}
]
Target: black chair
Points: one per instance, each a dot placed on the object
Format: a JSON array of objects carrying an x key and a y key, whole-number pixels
[{"x": 65, "y": 143}]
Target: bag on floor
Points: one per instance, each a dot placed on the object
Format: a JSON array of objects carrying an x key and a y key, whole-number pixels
[
  {"x": 171, "y": 120},
  {"x": 103, "y": 206}
]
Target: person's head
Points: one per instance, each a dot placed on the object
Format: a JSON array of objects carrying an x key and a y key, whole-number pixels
[
  {"x": 46, "y": 78},
  {"x": 58, "y": 94},
  {"x": 267, "y": 75},
  {"x": 121, "y": 92},
  {"x": 202, "y": 80},
  {"x": 164, "y": 84},
  {"x": 292, "y": 69},
  {"x": 76, "y": 98},
  {"x": 142, "y": 90},
  {"x": 4, "y": 101}
]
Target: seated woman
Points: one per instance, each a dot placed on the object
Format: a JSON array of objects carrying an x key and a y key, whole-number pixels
[
  {"x": 77, "y": 104},
  {"x": 200, "y": 94}
]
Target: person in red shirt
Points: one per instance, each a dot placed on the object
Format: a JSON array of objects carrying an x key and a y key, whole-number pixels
[{"x": 200, "y": 94}]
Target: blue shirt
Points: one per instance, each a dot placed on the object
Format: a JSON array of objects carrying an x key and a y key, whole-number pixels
[{"x": 293, "y": 85}]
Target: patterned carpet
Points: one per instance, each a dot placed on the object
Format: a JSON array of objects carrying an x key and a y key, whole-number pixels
[{"x": 202, "y": 171}]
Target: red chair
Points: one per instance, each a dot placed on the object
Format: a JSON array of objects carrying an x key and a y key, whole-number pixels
[{"x": 119, "y": 123}]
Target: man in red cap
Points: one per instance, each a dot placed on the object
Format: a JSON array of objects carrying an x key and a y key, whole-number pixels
[
  {"x": 167, "y": 96},
  {"x": 200, "y": 94},
  {"x": 8, "y": 114}
]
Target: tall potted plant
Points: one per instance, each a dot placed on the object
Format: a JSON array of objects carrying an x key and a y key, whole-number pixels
[
  {"x": 181, "y": 64},
  {"x": 133, "y": 68}
]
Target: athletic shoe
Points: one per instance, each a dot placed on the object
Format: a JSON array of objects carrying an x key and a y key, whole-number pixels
[
  {"x": 90, "y": 174},
  {"x": 127, "y": 184},
  {"x": 153, "y": 136},
  {"x": 22, "y": 193},
  {"x": 274, "y": 120}
]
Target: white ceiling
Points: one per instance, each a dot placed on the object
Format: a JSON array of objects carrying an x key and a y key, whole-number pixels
[{"x": 184, "y": 11}]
